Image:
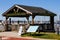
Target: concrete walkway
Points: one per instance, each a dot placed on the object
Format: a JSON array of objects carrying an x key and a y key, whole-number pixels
[
  {"x": 9, "y": 34},
  {"x": 15, "y": 35}
]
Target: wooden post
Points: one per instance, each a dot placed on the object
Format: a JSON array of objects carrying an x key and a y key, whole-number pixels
[
  {"x": 52, "y": 23},
  {"x": 27, "y": 26},
  {"x": 6, "y": 25},
  {"x": 27, "y": 19},
  {"x": 57, "y": 30},
  {"x": 33, "y": 19},
  {"x": 18, "y": 21},
  {"x": 10, "y": 21}
]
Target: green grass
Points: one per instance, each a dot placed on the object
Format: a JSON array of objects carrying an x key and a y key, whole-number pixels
[{"x": 42, "y": 35}]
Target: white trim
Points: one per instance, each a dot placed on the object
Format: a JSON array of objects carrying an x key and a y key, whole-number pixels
[{"x": 23, "y": 9}]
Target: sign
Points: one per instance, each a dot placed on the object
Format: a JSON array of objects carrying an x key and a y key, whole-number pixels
[{"x": 32, "y": 29}]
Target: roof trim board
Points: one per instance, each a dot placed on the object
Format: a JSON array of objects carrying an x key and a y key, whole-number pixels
[{"x": 23, "y": 9}]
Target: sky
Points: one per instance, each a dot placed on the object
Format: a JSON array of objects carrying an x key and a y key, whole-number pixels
[{"x": 51, "y": 5}]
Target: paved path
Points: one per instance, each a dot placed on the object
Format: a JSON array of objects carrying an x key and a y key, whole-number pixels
[
  {"x": 9, "y": 34},
  {"x": 15, "y": 36},
  {"x": 12, "y": 38}
]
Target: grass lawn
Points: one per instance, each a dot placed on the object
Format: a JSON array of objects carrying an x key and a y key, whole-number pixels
[{"x": 42, "y": 35}]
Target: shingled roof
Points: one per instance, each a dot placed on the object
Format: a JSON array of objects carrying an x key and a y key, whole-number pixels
[
  {"x": 33, "y": 10},
  {"x": 37, "y": 10}
]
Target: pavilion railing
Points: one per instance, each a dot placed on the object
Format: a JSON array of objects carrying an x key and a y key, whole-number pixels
[{"x": 30, "y": 22}]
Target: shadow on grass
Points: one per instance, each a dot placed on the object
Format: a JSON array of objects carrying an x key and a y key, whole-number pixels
[
  {"x": 38, "y": 34},
  {"x": 42, "y": 35},
  {"x": 33, "y": 34}
]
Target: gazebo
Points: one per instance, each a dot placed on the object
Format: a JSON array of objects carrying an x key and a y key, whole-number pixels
[{"x": 27, "y": 11}]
